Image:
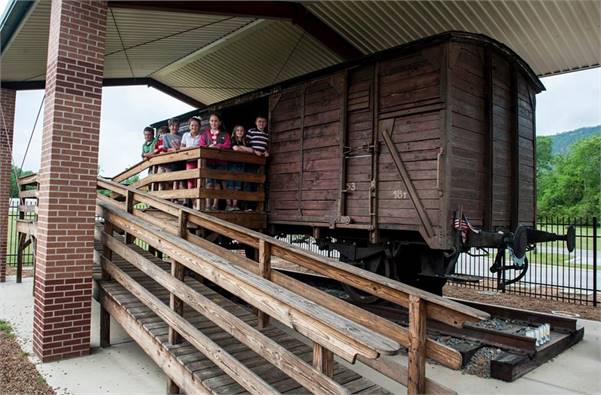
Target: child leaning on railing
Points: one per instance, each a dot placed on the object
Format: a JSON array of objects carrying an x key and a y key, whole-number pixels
[
  {"x": 214, "y": 137},
  {"x": 240, "y": 144}
]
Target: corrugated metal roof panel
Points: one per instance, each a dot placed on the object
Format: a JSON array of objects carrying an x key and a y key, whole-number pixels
[
  {"x": 152, "y": 41},
  {"x": 25, "y": 58},
  {"x": 552, "y": 36},
  {"x": 213, "y": 57},
  {"x": 155, "y": 39},
  {"x": 266, "y": 53}
]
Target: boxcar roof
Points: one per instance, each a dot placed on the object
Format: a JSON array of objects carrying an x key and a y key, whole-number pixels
[{"x": 206, "y": 52}]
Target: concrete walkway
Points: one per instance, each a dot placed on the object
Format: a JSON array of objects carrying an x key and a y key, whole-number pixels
[{"x": 125, "y": 369}]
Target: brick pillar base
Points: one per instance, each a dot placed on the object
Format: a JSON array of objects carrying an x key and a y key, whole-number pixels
[
  {"x": 68, "y": 170},
  {"x": 7, "y": 120}
]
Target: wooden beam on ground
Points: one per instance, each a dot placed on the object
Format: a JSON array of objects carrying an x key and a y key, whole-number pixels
[
  {"x": 339, "y": 334},
  {"x": 166, "y": 361},
  {"x": 274, "y": 353},
  {"x": 231, "y": 366}
]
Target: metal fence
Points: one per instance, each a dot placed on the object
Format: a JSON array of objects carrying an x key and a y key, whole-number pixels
[
  {"x": 554, "y": 273},
  {"x": 308, "y": 243},
  {"x": 13, "y": 237}
]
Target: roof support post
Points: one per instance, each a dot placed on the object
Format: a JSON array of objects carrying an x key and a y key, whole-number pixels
[
  {"x": 7, "y": 120},
  {"x": 67, "y": 179}
]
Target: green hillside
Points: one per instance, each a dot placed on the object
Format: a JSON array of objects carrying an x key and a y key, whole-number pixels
[{"x": 561, "y": 142}]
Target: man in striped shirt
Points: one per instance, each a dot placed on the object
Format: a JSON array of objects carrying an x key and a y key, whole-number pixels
[{"x": 258, "y": 138}]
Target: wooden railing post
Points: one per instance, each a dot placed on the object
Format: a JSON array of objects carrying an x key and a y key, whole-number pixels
[
  {"x": 323, "y": 359},
  {"x": 129, "y": 206},
  {"x": 105, "y": 318},
  {"x": 200, "y": 205},
  {"x": 265, "y": 271},
  {"x": 261, "y": 188},
  {"x": 175, "y": 303},
  {"x": 417, "y": 346}
]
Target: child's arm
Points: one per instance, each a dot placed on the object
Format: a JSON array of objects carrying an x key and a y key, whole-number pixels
[
  {"x": 203, "y": 141},
  {"x": 242, "y": 148},
  {"x": 158, "y": 148},
  {"x": 227, "y": 143}
]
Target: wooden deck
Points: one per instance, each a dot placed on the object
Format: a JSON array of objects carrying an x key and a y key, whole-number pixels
[{"x": 151, "y": 333}]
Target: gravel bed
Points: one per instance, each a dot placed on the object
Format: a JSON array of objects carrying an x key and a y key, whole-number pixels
[
  {"x": 17, "y": 374},
  {"x": 479, "y": 365},
  {"x": 522, "y": 302}
]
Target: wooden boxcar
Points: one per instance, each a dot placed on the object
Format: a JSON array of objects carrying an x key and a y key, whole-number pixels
[{"x": 384, "y": 152}]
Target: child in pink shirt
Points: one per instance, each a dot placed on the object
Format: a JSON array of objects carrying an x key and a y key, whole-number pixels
[{"x": 215, "y": 137}]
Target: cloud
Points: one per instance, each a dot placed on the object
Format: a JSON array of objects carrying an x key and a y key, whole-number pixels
[
  {"x": 125, "y": 113},
  {"x": 571, "y": 101}
]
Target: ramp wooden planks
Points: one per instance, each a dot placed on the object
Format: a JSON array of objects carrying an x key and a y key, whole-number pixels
[{"x": 190, "y": 369}]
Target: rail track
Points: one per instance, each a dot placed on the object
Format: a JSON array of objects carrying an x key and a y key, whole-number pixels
[{"x": 519, "y": 334}]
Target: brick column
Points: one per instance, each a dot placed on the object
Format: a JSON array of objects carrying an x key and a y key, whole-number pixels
[
  {"x": 68, "y": 170},
  {"x": 7, "y": 120}
]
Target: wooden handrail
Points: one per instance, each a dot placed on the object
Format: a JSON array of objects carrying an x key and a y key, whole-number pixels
[
  {"x": 28, "y": 179},
  {"x": 234, "y": 368},
  {"x": 255, "y": 340},
  {"x": 322, "y": 356},
  {"x": 437, "y": 308},
  {"x": 436, "y": 351},
  {"x": 189, "y": 154},
  {"x": 336, "y": 333}
]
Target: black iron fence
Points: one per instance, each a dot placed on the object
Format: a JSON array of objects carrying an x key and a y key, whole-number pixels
[
  {"x": 13, "y": 237},
  {"x": 554, "y": 273}
]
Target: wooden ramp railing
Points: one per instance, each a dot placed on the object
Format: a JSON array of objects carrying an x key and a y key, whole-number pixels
[
  {"x": 27, "y": 217},
  {"x": 334, "y": 326},
  {"x": 164, "y": 182}
]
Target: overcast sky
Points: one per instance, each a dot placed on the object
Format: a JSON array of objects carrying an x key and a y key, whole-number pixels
[{"x": 571, "y": 101}]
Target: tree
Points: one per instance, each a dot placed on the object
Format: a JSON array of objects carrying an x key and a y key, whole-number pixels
[
  {"x": 544, "y": 155},
  {"x": 572, "y": 187},
  {"x": 14, "y": 187}
]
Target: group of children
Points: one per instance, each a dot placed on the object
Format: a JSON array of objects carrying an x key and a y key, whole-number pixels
[{"x": 169, "y": 139}]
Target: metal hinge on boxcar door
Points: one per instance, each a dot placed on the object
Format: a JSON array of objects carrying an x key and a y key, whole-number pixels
[{"x": 372, "y": 195}]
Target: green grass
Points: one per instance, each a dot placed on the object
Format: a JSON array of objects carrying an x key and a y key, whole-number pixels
[
  {"x": 13, "y": 242},
  {"x": 6, "y": 328}
]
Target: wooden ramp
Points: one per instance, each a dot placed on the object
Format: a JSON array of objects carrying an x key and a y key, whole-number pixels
[
  {"x": 183, "y": 361},
  {"x": 191, "y": 331}
]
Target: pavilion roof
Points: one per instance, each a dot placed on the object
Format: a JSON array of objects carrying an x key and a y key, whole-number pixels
[{"x": 206, "y": 52}]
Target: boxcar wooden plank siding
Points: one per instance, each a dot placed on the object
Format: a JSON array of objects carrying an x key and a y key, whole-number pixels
[
  {"x": 452, "y": 121},
  {"x": 501, "y": 130}
]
